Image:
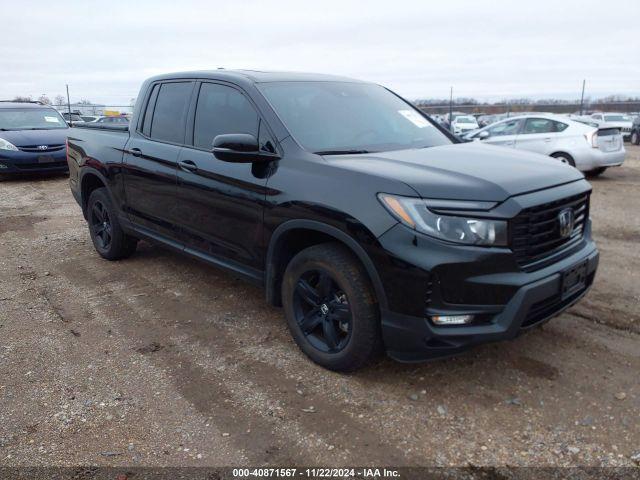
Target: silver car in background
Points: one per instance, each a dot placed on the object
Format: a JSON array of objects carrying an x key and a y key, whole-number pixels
[
  {"x": 612, "y": 119},
  {"x": 590, "y": 149}
]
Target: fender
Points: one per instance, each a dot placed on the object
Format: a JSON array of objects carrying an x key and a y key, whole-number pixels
[
  {"x": 84, "y": 171},
  {"x": 353, "y": 245}
]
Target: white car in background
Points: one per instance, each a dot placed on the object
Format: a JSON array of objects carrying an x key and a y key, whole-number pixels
[
  {"x": 464, "y": 123},
  {"x": 591, "y": 150},
  {"x": 617, "y": 120}
]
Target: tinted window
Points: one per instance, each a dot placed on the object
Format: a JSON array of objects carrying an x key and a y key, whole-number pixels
[
  {"x": 505, "y": 128},
  {"x": 146, "y": 123},
  {"x": 170, "y": 112},
  {"x": 222, "y": 110}
]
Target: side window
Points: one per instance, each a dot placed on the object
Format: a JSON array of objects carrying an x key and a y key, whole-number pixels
[
  {"x": 560, "y": 126},
  {"x": 170, "y": 112},
  {"x": 265, "y": 140},
  {"x": 597, "y": 117},
  {"x": 505, "y": 128},
  {"x": 146, "y": 122},
  {"x": 539, "y": 125},
  {"x": 221, "y": 110}
]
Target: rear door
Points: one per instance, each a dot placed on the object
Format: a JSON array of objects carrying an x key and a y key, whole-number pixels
[
  {"x": 504, "y": 133},
  {"x": 220, "y": 204},
  {"x": 151, "y": 157},
  {"x": 540, "y": 135}
]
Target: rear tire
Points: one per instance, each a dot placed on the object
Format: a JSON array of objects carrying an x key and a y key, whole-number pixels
[
  {"x": 331, "y": 309},
  {"x": 107, "y": 235},
  {"x": 564, "y": 158},
  {"x": 596, "y": 172}
]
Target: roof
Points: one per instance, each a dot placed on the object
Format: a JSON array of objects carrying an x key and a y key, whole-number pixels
[
  {"x": 256, "y": 76},
  {"x": 8, "y": 104}
]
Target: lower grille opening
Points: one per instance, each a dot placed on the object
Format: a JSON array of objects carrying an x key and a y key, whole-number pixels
[{"x": 552, "y": 306}]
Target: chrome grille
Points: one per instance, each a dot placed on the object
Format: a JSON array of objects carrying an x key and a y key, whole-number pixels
[{"x": 37, "y": 149}]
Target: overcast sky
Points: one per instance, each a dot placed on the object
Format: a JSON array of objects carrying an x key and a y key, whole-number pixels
[{"x": 485, "y": 49}]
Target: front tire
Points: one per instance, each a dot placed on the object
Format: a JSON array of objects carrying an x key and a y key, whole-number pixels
[
  {"x": 331, "y": 309},
  {"x": 107, "y": 235},
  {"x": 635, "y": 138}
]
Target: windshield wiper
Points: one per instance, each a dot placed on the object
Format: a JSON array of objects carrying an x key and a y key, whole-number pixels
[{"x": 341, "y": 152}]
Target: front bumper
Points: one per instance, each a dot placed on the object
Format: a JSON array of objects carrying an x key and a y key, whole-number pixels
[
  {"x": 413, "y": 339},
  {"x": 30, "y": 162},
  {"x": 422, "y": 277}
]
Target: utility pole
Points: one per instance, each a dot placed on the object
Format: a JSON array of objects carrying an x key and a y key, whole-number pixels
[
  {"x": 582, "y": 97},
  {"x": 450, "y": 107},
  {"x": 69, "y": 106}
]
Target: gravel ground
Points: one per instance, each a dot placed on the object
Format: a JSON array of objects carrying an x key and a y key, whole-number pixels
[{"x": 161, "y": 361}]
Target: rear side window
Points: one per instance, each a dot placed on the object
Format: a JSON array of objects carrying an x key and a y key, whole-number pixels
[
  {"x": 222, "y": 110},
  {"x": 170, "y": 112},
  {"x": 539, "y": 125},
  {"x": 560, "y": 126},
  {"x": 148, "y": 114}
]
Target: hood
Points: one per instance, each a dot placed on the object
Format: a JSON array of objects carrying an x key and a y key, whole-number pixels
[
  {"x": 464, "y": 171},
  {"x": 26, "y": 138}
]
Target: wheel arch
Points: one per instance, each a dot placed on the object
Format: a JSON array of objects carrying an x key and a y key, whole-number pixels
[
  {"x": 278, "y": 255},
  {"x": 563, "y": 153},
  {"x": 90, "y": 180}
]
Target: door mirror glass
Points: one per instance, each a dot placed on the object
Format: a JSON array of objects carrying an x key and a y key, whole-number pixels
[
  {"x": 239, "y": 148},
  {"x": 482, "y": 135}
]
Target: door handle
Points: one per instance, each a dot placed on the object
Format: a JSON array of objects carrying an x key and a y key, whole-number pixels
[
  {"x": 547, "y": 140},
  {"x": 136, "y": 152},
  {"x": 188, "y": 165}
]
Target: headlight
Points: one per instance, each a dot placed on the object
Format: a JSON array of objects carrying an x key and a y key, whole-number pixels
[
  {"x": 414, "y": 213},
  {"x": 4, "y": 145}
]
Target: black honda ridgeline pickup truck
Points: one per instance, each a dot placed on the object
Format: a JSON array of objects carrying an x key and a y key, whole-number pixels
[{"x": 374, "y": 228}]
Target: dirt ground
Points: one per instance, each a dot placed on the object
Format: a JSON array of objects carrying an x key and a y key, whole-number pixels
[{"x": 159, "y": 360}]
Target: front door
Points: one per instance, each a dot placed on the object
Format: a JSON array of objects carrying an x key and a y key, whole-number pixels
[
  {"x": 220, "y": 204},
  {"x": 504, "y": 133}
]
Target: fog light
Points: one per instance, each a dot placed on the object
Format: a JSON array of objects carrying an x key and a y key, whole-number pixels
[{"x": 451, "y": 319}]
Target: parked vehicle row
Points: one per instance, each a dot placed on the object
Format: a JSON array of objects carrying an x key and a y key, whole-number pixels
[
  {"x": 374, "y": 227},
  {"x": 589, "y": 149}
]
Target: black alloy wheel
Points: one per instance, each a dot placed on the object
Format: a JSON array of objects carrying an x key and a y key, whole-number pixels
[
  {"x": 107, "y": 235},
  {"x": 100, "y": 223},
  {"x": 322, "y": 311}
]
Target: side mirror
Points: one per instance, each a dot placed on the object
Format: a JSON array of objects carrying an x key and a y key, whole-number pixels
[
  {"x": 482, "y": 135},
  {"x": 240, "y": 148}
]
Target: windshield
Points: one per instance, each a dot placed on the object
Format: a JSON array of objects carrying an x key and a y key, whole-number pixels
[
  {"x": 30, "y": 119},
  {"x": 465, "y": 120},
  {"x": 342, "y": 117},
  {"x": 616, "y": 118}
]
